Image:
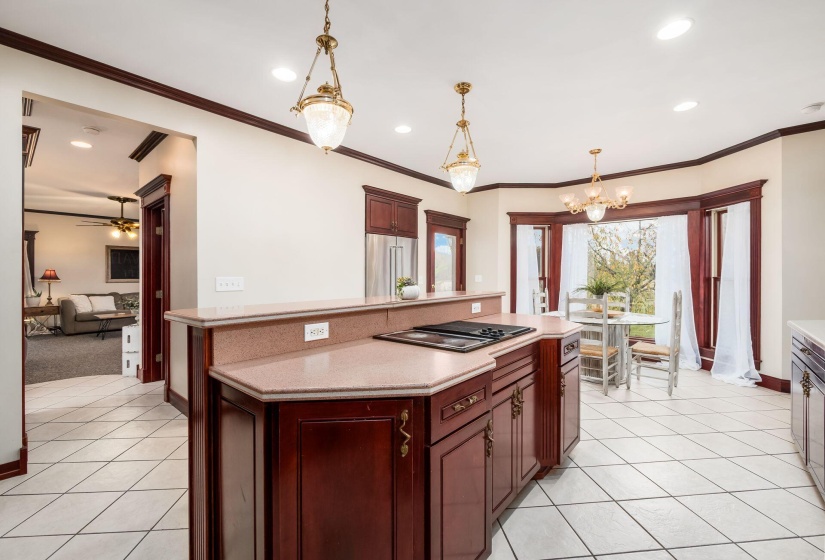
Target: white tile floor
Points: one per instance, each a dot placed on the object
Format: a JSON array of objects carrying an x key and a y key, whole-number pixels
[
  {"x": 707, "y": 474},
  {"x": 107, "y": 475},
  {"x": 654, "y": 478}
]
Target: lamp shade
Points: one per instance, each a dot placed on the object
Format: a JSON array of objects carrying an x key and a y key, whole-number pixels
[
  {"x": 50, "y": 276},
  {"x": 327, "y": 116}
]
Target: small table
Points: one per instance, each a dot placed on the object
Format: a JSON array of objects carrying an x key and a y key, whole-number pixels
[
  {"x": 622, "y": 324},
  {"x": 106, "y": 318},
  {"x": 34, "y": 314}
]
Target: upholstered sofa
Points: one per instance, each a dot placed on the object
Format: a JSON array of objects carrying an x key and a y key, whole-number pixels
[{"x": 73, "y": 322}]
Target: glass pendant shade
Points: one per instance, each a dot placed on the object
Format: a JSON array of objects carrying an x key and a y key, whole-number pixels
[
  {"x": 595, "y": 212},
  {"x": 327, "y": 118},
  {"x": 567, "y": 198},
  {"x": 592, "y": 191},
  {"x": 624, "y": 192},
  {"x": 463, "y": 173}
]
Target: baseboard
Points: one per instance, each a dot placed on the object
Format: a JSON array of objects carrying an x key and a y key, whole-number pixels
[
  {"x": 15, "y": 468},
  {"x": 176, "y": 400},
  {"x": 775, "y": 383}
]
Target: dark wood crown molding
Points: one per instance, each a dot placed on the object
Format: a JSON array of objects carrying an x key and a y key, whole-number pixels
[
  {"x": 391, "y": 195},
  {"x": 162, "y": 181},
  {"x": 85, "y": 64},
  {"x": 27, "y": 106},
  {"x": 152, "y": 141},
  {"x": 74, "y": 214},
  {"x": 773, "y": 135},
  {"x": 30, "y": 137},
  {"x": 444, "y": 219}
]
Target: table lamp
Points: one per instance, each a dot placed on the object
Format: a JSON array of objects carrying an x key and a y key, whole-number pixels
[{"x": 49, "y": 276}]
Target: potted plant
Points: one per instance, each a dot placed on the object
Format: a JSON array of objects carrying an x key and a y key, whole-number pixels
[
  {"x": 597, "y": 288},
  {"x": 406, "y": 288},
  {"x": 34, "y": 299}
]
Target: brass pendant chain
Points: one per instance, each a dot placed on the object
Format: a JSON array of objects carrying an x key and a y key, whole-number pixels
[{"x": 327, "y": 22}]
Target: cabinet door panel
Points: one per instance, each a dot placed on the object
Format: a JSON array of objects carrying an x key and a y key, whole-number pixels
[
  {"x": 380, "y": 215},
  {"x": 528, "y": 461},
  {"x": 798, "y": 409},
  {"x": 346, "y": 490},
  {"x": 570, "y": 410},
  {"x": 504, "y": 451},
  {"x": 406, "y": 219},
  {"x": 816, "y": 431},
  {"x": 460, "y": 497}
]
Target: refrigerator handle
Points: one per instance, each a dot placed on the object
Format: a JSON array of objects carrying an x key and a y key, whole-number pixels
[
  {"x": 393, "y": 268},
  {"x": 403, "y": 272}
]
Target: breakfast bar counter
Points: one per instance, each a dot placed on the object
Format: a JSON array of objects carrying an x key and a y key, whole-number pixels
[{"x": 350, "y": 447}]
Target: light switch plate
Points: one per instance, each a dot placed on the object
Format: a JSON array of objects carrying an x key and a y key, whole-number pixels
[
  {"x": 229, "y": 284},
  {"x": 476, "y": 308},
  {"x": 316, "y": 331},
  {"x": 478, "y": 277}
]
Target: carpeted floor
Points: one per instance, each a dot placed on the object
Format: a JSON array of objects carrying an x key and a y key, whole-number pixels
[{"x": 61, "y": 357}]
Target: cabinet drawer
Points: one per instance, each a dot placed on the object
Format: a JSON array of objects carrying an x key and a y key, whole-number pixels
[
  {"x": 569, "y": 348},
  {"x": 810, "y": 354},
  {"x": 514, "y": 365},
  {"x": 452, "y": 408}
]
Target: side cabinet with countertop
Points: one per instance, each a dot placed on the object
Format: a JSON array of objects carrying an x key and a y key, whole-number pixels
[{"x": 808, "y": 396}]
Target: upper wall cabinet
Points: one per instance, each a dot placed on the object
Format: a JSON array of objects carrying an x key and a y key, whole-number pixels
[{"x": 390, "y": 213}]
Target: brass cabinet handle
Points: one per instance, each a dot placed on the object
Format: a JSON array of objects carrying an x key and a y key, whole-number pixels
[
  {"x": 806, "y": 384},
  {"x": 404, "y": 447},
  {"x": 570, "y": 347},
  {"x": 563, "y": 385},
  {"x": 470, "y": 402},
  {"x": 518, "y": 401},
  {"x": 806, "y": 351},
  {"x": 488, "y": 435}
]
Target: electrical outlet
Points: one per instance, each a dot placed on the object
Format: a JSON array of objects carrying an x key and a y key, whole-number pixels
[
  {"x": 229, "y": 284},
  {"x": 316, "y": 331},
  {"x": 478, "y": 278},
  {"x": 476, "y": 308}
]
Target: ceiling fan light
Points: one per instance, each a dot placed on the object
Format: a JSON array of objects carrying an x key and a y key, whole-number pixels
[
  {"x": 116, "y": 233},
  {"x": 132, "y": 235}
]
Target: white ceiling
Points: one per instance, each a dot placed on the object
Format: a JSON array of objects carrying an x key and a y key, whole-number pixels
[
  {"x": 68, "y": 179},
  {"x": 553, "y": 78}
]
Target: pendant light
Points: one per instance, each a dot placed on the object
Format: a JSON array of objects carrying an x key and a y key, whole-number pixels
[
  {"x": 597, "y": 201},
  {"x": 464, "y": 170},
  {"x": 327, "y": 113}
]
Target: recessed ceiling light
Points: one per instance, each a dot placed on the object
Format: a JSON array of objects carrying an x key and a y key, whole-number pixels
[
  {"x": 674, "y": 29},
  {"x": 80, "y": 144},
  {"x": 812, "y": 108},
  {"x": 284, "y": 74},
  {"x": 403, "y": 129},
  {"x": 686, "y": 106}
]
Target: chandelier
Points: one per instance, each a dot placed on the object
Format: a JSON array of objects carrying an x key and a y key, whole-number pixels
[
  {"x": 327, "y": 113},
  {"x": 464, "y": 170},
  {"x": 597, "y": 200}
]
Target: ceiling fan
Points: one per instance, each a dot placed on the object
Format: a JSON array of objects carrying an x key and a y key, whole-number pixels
[{"x": 121, "y": 225}]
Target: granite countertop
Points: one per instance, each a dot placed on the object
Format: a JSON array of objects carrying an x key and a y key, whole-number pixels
[
  {"x": 812, "y": 329},
  {"x": 378, "y": 368},
  {"x": 238, "y": 314}
]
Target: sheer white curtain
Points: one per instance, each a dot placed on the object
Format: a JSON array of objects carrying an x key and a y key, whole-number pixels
[
  {"x": 672, "y": 275},
  {"x": 527, "y": 268},
  {"x": 733, "y": 362},
  {"x": 28, "y": 288},
  {"x": 574, "y": 250}
]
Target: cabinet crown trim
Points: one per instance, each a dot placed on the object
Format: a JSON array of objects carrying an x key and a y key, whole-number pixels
[{"x": 391, "y": 195}]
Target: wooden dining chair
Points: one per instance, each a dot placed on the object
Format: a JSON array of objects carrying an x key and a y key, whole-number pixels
[
  {"x": 620, "y": 301},
  {"x": 594, "y": 344},
  {"x": 646, "y": 350},
  {"x": 540, "y": 299}
]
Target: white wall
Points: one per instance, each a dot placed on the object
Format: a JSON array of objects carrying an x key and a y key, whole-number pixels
[
  {"x": 177, "y": 157},
  {"x": 78, "y": 255},
  {"x": 278, "y": 212}
]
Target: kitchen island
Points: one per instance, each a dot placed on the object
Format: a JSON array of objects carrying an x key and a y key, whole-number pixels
[{"x": 354, "y": 448}]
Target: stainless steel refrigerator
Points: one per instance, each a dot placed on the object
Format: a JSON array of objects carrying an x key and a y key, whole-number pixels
[{"x": 388, "y": 258}]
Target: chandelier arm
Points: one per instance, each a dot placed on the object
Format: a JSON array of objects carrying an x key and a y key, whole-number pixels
[
  {"x": 464, "y": 132},
  {"x": 335, "y": 81},
  {"x": 472, "y": 146},
  {"x": 297, "y": 108},
  {"x": 449, "y": 150}
]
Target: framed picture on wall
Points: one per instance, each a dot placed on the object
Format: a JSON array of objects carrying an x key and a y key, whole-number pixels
[{"x": 122, "y": 264}]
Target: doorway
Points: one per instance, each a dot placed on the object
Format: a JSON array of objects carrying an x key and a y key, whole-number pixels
[{"x": 446, "y": 252}]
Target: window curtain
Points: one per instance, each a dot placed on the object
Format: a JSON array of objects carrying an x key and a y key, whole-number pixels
[
  {"x": 28, "y": 288},
  {"x": 574, "y": 258},
  {"x": 733, "y": 362},
  {"x": 527, "y": 269},
  {"x": 672, "y": 275}
]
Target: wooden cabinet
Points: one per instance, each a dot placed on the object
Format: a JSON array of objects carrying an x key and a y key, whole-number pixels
[
  {"x": 459, "y": 493},
  {"x": 808, "y": 405},
  {"x": 346, "y": 479},
  {"x": 505, "y": 463},
  {"x": 570, "y": 406},
  {"x": 390, "y": 213}
]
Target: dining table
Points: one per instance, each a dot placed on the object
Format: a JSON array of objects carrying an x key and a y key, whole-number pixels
[{"x": 619, "y": 336}]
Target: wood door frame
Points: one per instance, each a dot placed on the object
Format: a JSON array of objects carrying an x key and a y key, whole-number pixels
[
  {"x": 155, "y": 199},
  {"x": 440, "y": 221}
]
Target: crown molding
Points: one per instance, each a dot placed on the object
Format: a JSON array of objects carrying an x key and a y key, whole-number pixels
[{"x": 152, "y": 141}]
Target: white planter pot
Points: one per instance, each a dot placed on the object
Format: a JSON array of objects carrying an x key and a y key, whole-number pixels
[
  {"x": 410, "y": 292},
  {"x": 33, "y": 301}
]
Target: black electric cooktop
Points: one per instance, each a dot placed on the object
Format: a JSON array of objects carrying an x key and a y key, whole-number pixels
[{"x": 457, "y": 336}]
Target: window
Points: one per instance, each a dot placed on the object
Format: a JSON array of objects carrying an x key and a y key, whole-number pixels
[
  {"x": 625, "y": 253},
  {"x": 717, "y": 220},
  {"x": 446, "y": 253}
]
